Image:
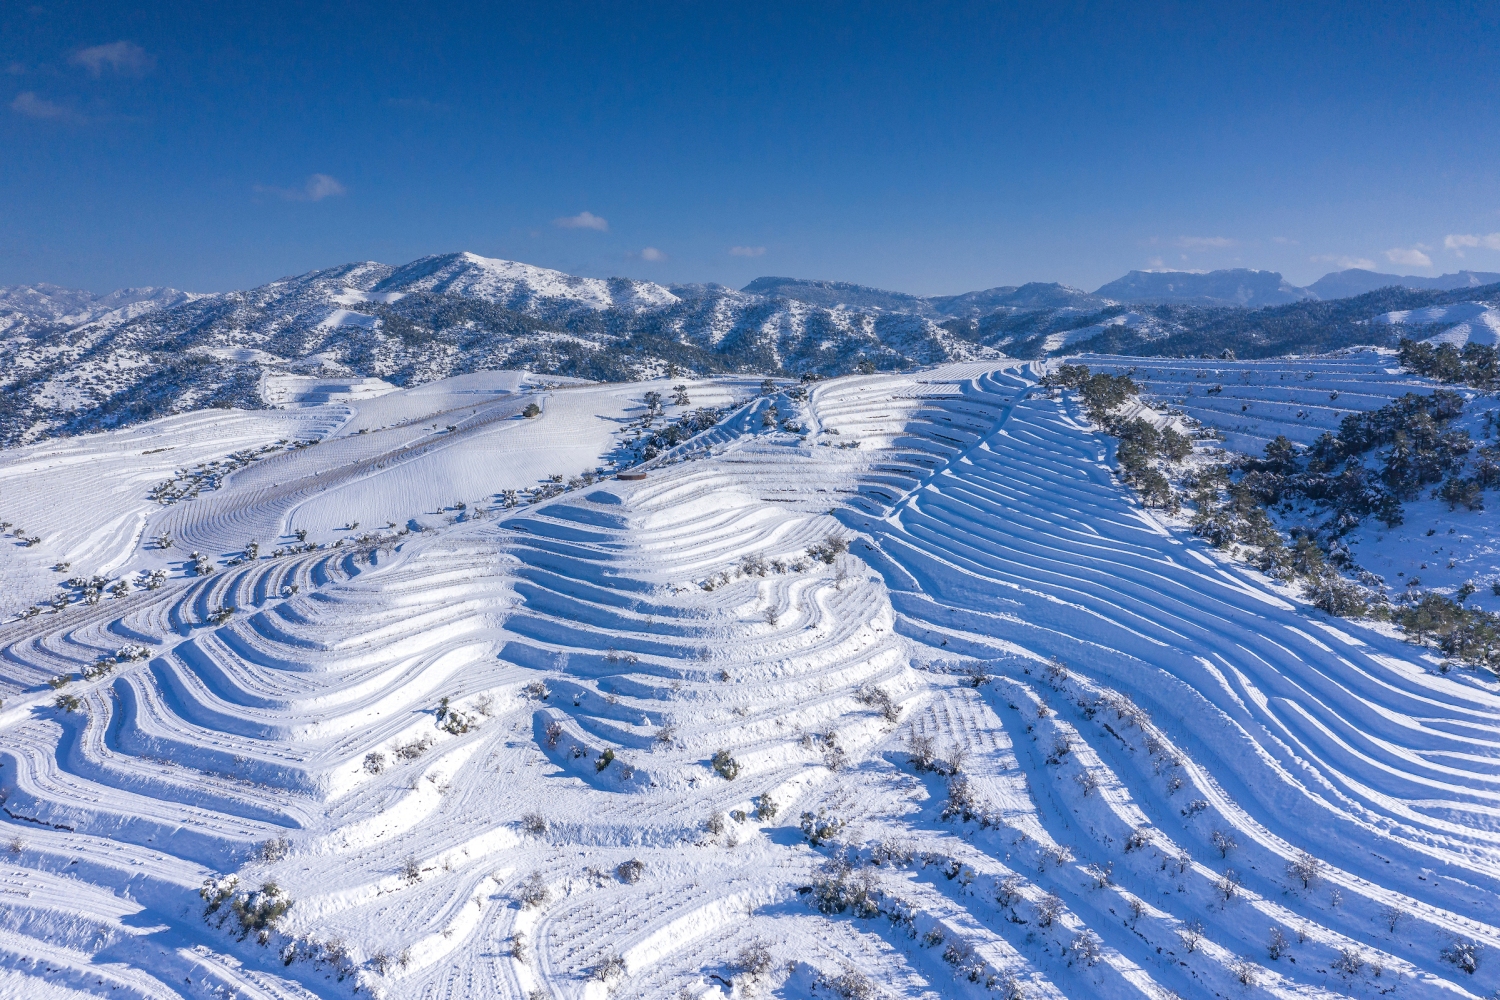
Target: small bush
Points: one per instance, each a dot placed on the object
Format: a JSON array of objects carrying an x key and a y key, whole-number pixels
[
  {"x": 725, "y": 766},
  {"x": 533, "y": 892},
  {"x": 1463, "y": 954},
  {"x": 534, "y": 823},
  {"x": 1191, "y": 934},
  {"x": 531, "y": 410},
  {"x": 605, "y": 759},
  {"x": 554, "y": 732},
  {"x": 275, "y": 849},
  {"x": 765, "y": 807},
  {"x": 1048, "y": 909},
  {"x": 1246, "y": 971},
  {"x": 630, "y": 872},
  {"x": 820, "y": 828},
  {"x": 68, "y": 703},
  {"x": 374, "y": 762}
]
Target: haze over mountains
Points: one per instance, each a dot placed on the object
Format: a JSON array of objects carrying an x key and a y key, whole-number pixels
[{"x": 76, "y": 361}]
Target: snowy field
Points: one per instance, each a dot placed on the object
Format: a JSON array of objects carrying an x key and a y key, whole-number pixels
[{"x": 566, "y": 749}]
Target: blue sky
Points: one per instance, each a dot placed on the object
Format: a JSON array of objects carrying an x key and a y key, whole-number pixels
[{"x": 924, "y": 147}]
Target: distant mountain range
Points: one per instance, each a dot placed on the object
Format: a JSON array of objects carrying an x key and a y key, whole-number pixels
[{"x": 74, "y": 361}]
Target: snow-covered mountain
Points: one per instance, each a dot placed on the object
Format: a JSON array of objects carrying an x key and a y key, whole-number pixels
[
  {"x": 438, "y": 316},
  {"x": 1356, "y": 281},
  {"x": 1238, "y": 286},
  {"x": 1245, "y": 287},
  {"x": 27, "y": 307},
  {"x": 74, "y": 361}
]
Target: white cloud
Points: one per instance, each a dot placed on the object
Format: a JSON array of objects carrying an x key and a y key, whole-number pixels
[
  {"x": 1409, "y": 256},
  {"x": 318, "y": 187},
  {"x": 32, "y": 106},
  {"x": 583, "y": 220},
  {"x": 651, "y": 253},
  {"x": 747, "y": 251},
  {"x": 1205, "y": 242},
  {"x": 1285, "y": 241},
  {"x": 1458, "y": 242},
  {"x": 1344, "y": 261},
  {"x": 121, "y": 57}
]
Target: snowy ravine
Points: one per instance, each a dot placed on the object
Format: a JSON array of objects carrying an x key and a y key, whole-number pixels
[{"x": 1057, "y": 748}]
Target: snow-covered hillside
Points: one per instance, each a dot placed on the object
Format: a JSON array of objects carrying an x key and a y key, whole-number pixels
[{"x": 894, "y": 691}]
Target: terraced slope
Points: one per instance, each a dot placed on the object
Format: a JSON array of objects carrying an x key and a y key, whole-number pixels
[{"x": 536, "y": 754}]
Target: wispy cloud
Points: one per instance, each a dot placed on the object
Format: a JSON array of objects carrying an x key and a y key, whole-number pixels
[
  {"x": 1410, "y": 256},
  {"x": 651, "y": 253},
  {"x": 747, "y": 251},
  {"x": 583, "y": 220},
  {"x": 316, "y": 188},
  {"x": 1286, "y": 241},
  {"x": 1205, "y": 242},
  {"x": 1459, "y": 242},
  {"x": 1344, "y": 261},
  {"x": 32, "y": 106},
  {"x": 16, "y": 69},
  {"x": 119, "y": 57}
]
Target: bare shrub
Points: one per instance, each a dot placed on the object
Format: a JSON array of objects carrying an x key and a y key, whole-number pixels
[
  {"x": 1228, "y": 884},
  {"x": 536, "y": 689},
  {"x": 840, "y": 888},
  {"x": 630, "y": 872},
  {"x": 554, "y": 732},
  {"x": 715, "y": 823},
  {"x": 1048, "y": 909},
  {"x": 1061, "y": 747},
  {"x": 1100, "y": 875},
  {"x": 1246, "y": 971},
  {"x": 755, "y": 960},
  {"x": 849, "y": 985},
  {"x": 1349, "y": 961},
  {"x": 1056, "y": 673},
  {"x": 411, "y": 869},
  {"x": 1088, "y": 781},
  {"x": 881, "y": 701},
  {"x": 534, "y": 823},
  {"x": 1008, "y": 890},
  {"x": 1191, "y": 934},
  {"x": 1277, "y": 945},
  {"x": 1085, "y": 947},
  {"x": 1392, "y": 916},
  {"x": 374, "y": 762},
  {"x": 1305, "y": 868},
  {"x": 920, "y": 751},
  {"x": 1223, "y": 842},
  {"x": 1139, "y": 837},
  {"x": 533, "y": 892}
]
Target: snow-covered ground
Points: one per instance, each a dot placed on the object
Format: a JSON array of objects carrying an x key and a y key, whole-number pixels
[{"x": 419, "y": 729}]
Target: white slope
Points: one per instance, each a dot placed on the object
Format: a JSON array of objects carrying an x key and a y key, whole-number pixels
[
  {"x": 668, "y": 619},
  {"x": 1472, "y": 322}
]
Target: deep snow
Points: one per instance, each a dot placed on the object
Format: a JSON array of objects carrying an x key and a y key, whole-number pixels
[{"x": 671, "y": 618}]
